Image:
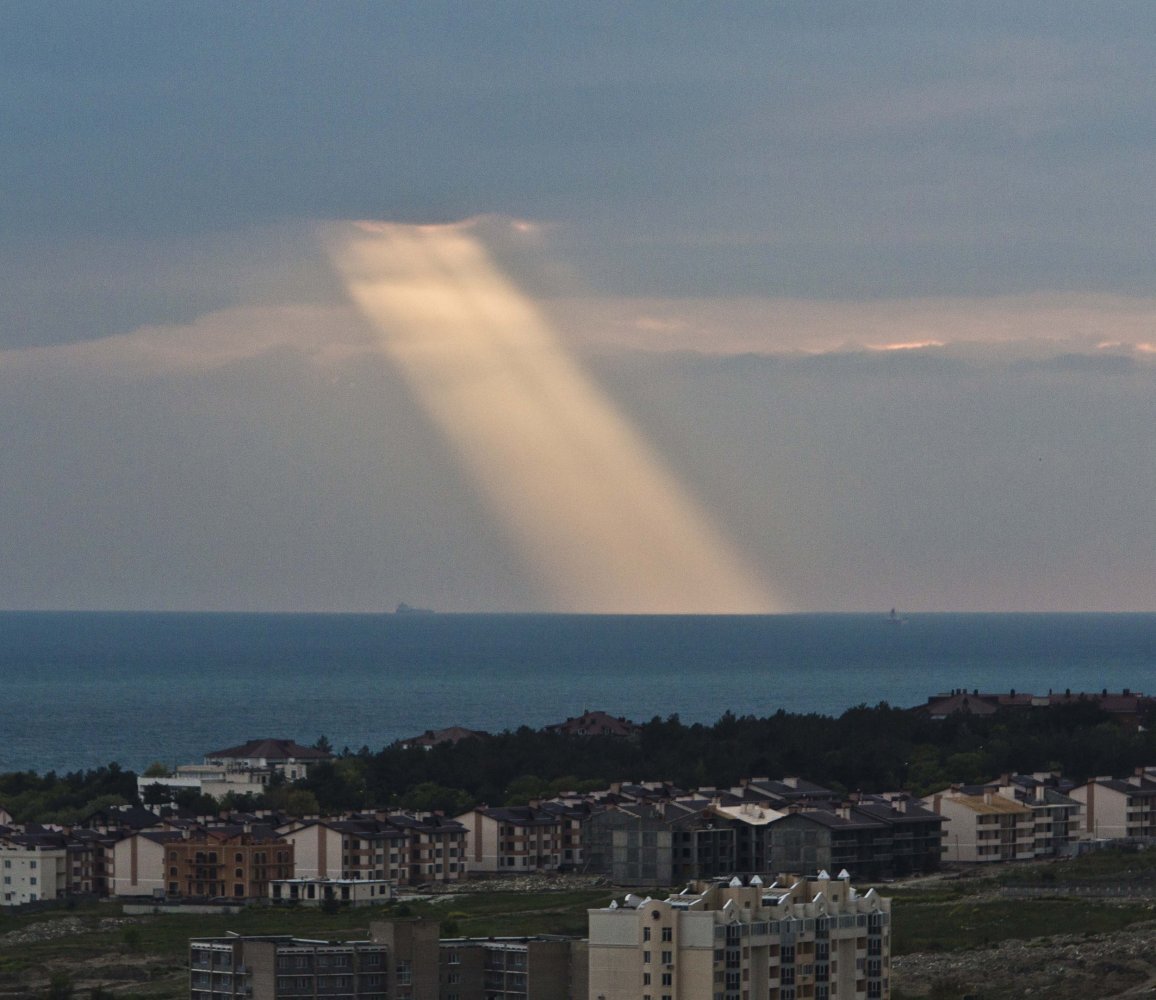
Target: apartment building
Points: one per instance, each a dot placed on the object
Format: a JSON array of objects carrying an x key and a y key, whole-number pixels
[
  {"x": 400, "y": 960},
  {"x": 519, "y": 839},
  {"x": 138, "y": 863},
  {"x": 276, "y": 967},
  {"x": 801, "y": 938},
  {"x": 543, "y": 967},
  {"x": 984, "y": 827},
  {"x": 89, "y": 861},
  {"x": 231, "y": 862},
  {"x": 872, "y": 836},
  {"x": 408, "y": 850},
  {"x": 1057, "y": 814},
  {"x": 1118, "y": 808},
  {"x": 33, "y": 867}
]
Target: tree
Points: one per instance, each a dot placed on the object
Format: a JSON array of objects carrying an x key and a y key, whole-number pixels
[{"x": 60, "y": 987}]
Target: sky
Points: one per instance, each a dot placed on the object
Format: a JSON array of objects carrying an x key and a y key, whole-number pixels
[{"x": 543, "y": 306}]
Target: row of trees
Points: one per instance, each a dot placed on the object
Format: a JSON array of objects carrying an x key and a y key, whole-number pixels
[{"x": 868, "y": 748}]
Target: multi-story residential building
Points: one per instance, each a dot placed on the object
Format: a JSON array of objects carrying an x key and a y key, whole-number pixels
[
  {"x": 89, "y": 861},
  {"x": 33, "y": 867},
  {"x": 408, "y": 850},
  {"x": 806, "y": 938},
  {"x": 276, "y": 967},
  {"x": 138, "y": 863},
  {"x": 873, "y": 836},
  {"x": 519, "y": 839},
  {"x": 1118, "y": 808},
  {"x": 544, "y": 967},
  {"x": 984, "y": 827},
  {"x": 401, "y": 960},
  {"x": 229, "y": 862},
  {"x": 659, "y": 842},
  {"x": 232, "y": 862},
  {"x": 1057, "y": 814}
]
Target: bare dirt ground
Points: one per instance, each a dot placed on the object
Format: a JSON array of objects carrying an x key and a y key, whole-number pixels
[{"x": 1099, "y": 967}]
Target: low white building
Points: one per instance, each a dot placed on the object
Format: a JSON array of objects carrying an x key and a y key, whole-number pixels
[{"x": 316, "y": 891}]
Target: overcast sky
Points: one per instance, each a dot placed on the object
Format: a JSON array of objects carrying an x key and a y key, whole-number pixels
[{"x": 870, "y": 286}]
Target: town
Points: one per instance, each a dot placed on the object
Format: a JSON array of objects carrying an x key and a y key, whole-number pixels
[{"x": 755, "y": 859}]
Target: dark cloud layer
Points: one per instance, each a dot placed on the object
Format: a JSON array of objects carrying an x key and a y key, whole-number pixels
[{"x": 829, "y": 150}]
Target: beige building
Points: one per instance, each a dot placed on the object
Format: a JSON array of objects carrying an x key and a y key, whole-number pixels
[
  {"x": 805, "y": 938},
  {"x": 1118, "y": 808},
  {"x": 138, "y": 863},
  {"x": 984, "y": 827}
]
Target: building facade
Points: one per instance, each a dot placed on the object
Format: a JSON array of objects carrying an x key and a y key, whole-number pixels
[
  {"x": 984, "y": 827},
  {"x": 806, "y": 938},
  {"x": 33, "y": 867}
]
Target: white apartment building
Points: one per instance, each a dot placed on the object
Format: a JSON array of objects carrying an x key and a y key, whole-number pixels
[{"x": 32, "y": 867}]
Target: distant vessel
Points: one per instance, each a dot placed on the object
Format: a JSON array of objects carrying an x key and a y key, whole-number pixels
[
  {"x": 894, "y": 618},
  {"x": 405, "y": 609}
]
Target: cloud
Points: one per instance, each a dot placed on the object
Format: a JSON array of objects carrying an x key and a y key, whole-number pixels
[
  {"x": 326, "y": 335},
  {"x": 1048, "y": 323}
]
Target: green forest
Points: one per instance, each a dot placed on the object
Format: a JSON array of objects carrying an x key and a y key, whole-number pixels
[{"x": 866, "y": 748}]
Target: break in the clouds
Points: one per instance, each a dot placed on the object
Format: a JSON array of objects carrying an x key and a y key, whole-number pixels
[{"x": 873, "y": 283}]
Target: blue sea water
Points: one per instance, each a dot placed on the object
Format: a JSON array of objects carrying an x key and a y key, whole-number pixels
[{"x": 78, "y": 690}]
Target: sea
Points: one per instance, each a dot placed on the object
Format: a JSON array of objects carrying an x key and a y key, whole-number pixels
[{"x": 81, "y": 690}]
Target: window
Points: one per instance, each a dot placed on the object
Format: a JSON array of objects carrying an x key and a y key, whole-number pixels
[
  {"x": 646, "y": 979},
  {"x": 645, "y": 933},
  {"x": 668, "y": 979},
  {"x": 646, "y": 958},
  {"x": 667, "y": 957},
  {"x": 667, "y": 934}
]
